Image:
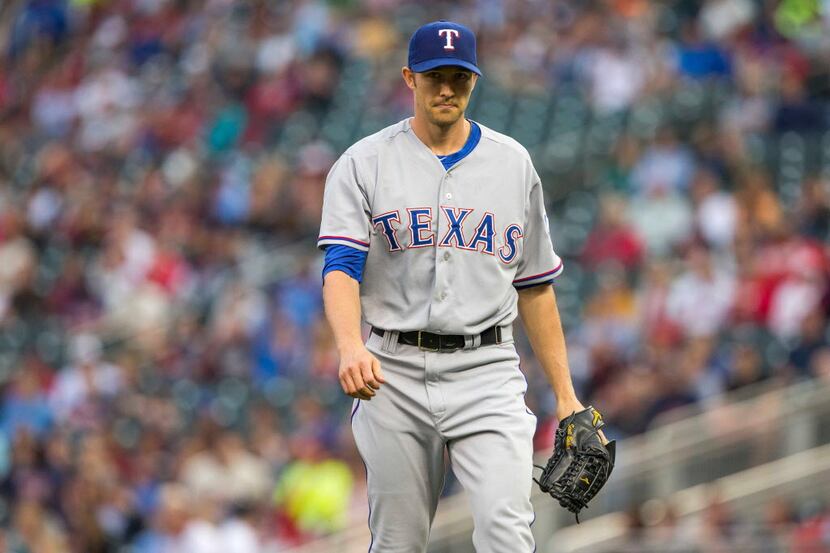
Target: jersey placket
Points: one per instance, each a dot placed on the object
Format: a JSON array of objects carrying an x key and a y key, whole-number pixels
[{"x": 441, "y": 299}]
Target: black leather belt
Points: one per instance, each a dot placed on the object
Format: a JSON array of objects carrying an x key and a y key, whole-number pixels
[{"x": 442, "y": 342}]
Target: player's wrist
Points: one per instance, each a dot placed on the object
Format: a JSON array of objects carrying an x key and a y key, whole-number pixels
[
  {"x": 568, "y": 406},
  {"x": 350, "y": 347}
]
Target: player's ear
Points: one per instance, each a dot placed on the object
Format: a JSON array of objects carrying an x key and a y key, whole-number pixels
[{"x": 408, "y": 77}]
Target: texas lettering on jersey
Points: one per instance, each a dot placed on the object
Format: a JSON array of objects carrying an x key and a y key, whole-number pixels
[
  {"x": 390, "y": 197},
  {"x": 418, "y": 231}
]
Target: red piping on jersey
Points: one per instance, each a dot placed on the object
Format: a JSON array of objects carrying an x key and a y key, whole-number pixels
[
  {"x": 540, "y": 275},
  {"x": 346, "y": 238}
]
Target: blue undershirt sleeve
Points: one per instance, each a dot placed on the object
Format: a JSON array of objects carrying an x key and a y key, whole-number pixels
[
  {"x": 526, "y": 286},
  {"x": 343, "y": 258}
]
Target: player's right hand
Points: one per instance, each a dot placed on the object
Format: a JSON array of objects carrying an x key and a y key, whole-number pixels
[{"x": 360, "y": 373}]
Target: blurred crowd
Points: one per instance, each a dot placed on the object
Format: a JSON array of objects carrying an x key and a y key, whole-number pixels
[
  {"x": 168, "y": 381},
  {"x": 775, "y": 526}
]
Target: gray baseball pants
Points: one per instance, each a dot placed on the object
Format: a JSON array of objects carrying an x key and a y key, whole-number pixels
[{"x": 471, "y": 402}]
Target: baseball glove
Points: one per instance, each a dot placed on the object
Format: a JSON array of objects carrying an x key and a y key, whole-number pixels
[{"x": 580, "y": 464}]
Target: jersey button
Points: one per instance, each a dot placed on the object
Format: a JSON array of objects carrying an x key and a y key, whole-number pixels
[
  {"x": 448, "y": 196},
  {"x": 446, "y": 255},
  {"x": 443, "y": 295}
]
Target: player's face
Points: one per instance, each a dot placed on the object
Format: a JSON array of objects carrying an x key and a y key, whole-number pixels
[{"x": 442, "y": 94}]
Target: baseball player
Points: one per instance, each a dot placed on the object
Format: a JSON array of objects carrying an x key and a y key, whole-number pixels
[{"x": 435, "y": 232}]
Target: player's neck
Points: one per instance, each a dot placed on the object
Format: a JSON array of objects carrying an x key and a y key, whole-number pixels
[{"x": 442, "y": 140}]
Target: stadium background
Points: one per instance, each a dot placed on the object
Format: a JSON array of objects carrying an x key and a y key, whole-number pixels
[{"x": 168, "y": 381}]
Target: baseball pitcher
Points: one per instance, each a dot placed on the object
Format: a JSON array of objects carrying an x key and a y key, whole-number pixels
[{"x": 435, "y": 233}]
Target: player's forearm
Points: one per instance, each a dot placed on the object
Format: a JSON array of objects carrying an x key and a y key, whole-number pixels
[
  {"x": 341, "y": 298},
  {"x": 540, "y": 315}
]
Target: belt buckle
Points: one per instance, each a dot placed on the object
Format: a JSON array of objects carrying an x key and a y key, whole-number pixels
[{"x": 425, "y": 348}]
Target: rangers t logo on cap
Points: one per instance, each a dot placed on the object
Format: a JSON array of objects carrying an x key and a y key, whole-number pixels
[
  {"x": 442, "y": 43},
  {"x": 449, "y": 33}
]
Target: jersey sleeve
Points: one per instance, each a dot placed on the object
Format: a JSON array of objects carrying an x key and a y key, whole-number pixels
[
  {"x": 346, "y": 213},
  {"x": 538, "y": 263}
]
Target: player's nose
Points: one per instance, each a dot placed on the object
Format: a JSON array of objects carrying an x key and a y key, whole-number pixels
[{"x": 445, "y": 89}]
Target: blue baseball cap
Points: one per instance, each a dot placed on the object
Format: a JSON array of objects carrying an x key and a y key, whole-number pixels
[{"x": 442, "y": 43}]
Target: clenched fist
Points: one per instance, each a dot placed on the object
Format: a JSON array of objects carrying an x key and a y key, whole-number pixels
[{"x": 360, "y": 373}]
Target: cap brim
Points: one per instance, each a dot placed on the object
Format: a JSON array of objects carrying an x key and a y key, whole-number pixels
[{"x": 441, "y": 62}]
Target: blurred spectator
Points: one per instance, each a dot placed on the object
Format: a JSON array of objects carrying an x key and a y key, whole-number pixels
[
  {"x": 175, "y": 527},
  {"x": 820, "y": 364},
  {"x": 809, "y": 344},
  {"x": 700, "y": 299},
  {"x": 612, "y": 239},
  {"x": 746, "y": 367},
  {"x": 25, "y": 406},
  {"x": 238, "y": 533},
  {"x": 314, "y": 492},
  {"x": 666, "y": 166},
  {"x": 656, "y": 324},
  {"x": 611, "y": 313},
  {"x": 80, "y": 387},
  {"x": 699, "y": 58},
  {"x": 615, "y": 75},
  {"x": 661, "y": 219},
  {"x": 37, "y": 22},
  {"x": 625, "y": 155},
  {"x": 36, "y": 530},
  {"x": 17, "y": 257},
  {"x": 226, "y": 472},
  {"x": 715, "y": 211},
  {"x": 796, "y": 111},
  {"x": 811, "y": 535},
  {"x": 749, "y": 109},
  {"x": 813, "y": 211},
  {"x": 721, "y": 18}
]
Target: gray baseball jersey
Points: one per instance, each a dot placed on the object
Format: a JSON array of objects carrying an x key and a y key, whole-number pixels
[{"x": 446, "y": 249}]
